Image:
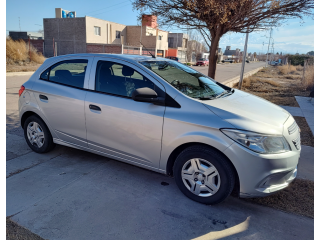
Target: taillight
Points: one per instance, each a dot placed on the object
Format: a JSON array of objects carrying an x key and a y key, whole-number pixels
[{"x": 22, "y": 88}]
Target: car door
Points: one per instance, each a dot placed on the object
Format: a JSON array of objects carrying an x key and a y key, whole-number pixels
[
  {"x": 60, "y": 93},
  {"x": 118, "y": 126}
]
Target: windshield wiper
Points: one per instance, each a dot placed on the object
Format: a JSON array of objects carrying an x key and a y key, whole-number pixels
[
  {"x": 225, "y": 93},
  {"x": 221, "y": 94}
]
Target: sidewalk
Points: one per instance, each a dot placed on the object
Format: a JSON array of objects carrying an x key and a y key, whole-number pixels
[{"x": 306, "y": 110}]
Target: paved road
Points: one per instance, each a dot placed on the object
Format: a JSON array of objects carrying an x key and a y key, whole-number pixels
[
  {"x": 71, "y": 194},
  {"x": 227, "y": 71}
]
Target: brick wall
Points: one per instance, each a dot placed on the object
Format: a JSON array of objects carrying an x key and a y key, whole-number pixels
[
  {"x": 104, "y": 48},
  {"x": 149, "y": 20},
  {"x": 38, "y": 44}
]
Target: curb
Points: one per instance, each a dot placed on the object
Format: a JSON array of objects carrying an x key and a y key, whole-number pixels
[
  {"x": 232, "y": 81},
  {"x": 18, "y": 73}
]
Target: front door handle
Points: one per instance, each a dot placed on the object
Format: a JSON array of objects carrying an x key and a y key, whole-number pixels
[
  {"x": 43, "y": 97},
  {"x": 94, "y": 107}
]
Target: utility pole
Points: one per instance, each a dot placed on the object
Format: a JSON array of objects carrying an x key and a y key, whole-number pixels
[
  {"x": 29, "y": 49},
  {"x": 268, "y": 47},
  {"x": 140, "y": 38},
  {"x": 244, "y": 59}
]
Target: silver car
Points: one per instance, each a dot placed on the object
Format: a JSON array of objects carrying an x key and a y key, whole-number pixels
[{"x": 161, "y": 115}]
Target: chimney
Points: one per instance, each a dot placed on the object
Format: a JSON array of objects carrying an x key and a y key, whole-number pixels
[
  {"x": 149, "y": 20},
  {"x": 228, "y": 48}
]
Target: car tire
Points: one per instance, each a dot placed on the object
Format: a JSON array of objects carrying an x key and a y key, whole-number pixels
[
  {"x": 37, "y": 135},
  {"x": 216, "y": 186}
]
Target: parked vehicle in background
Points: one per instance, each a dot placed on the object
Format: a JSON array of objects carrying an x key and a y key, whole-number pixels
[
  {"x": 202, "y": 62},
  {"x": 173, "y": 58},
  {"x": 247, "y": 61},
  {"x": 161, "y": 115},
  {"x": 227, "y": 60}
]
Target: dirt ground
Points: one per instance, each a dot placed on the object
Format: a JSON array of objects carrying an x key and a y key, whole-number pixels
[
  {"x": 273, "y": 85},
  {"x": 298, "y": 198},
  {"x": 306, "y": 135},
  {"x": 16, "y": 232},
  {"x": 22, "y": 67}
]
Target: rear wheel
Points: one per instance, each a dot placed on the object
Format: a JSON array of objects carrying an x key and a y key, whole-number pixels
[
  {"x": 37, "y": 135},
  {"x": 204, "y": 175}
]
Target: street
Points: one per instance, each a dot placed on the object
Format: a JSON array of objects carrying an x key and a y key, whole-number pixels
[
  {"x": 72, "y": 194},
  {"x": 227, "y": 71}
]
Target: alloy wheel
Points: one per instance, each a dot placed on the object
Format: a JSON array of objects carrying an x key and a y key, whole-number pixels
[
  {"x": 35, "y": 134},
  {"x": 200, "y": 177}
]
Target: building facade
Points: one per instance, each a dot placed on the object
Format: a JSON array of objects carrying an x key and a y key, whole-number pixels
[
  {"x": 232, "y": 54},
  {"x": 93, "y": 35},
  {"x": 177, "y": 46}
]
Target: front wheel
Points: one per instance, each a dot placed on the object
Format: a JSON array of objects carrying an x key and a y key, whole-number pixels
[
  {"x": 204, "y": 175},
  {"x": 37, "y": 135}
]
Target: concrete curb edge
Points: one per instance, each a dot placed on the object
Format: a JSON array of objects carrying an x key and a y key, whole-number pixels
[{"x": 232, "y": 81}]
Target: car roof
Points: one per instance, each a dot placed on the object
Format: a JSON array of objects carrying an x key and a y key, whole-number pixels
[{"x": 126, "y": 57}]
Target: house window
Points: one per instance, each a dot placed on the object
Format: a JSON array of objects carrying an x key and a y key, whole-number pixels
[
  {"x": 159, "y": 37},
  {"x": 170, "y": 42},
  {"x": 118, "y": 34},
  {"x": 97, "y": 31}
]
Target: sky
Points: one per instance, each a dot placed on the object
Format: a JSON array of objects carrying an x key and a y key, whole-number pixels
[{"x": 292, "y": 37}]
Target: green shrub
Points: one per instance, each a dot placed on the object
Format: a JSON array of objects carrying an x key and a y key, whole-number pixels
[{"x": 299, "y": 59}]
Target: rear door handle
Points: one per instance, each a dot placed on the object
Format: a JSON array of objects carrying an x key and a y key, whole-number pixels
[
  {"x": 94, "y": 107},
  {"x": 43, "y": 97}
]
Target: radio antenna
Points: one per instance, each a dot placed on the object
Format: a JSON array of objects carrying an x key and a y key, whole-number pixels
[{"x": 148, "y": 51}]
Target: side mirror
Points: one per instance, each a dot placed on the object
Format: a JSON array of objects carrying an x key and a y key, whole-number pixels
[{"x": 147, "y": 95}]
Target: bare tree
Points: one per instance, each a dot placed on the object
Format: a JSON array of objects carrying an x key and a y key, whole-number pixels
[{"x": 214, "y": 18}]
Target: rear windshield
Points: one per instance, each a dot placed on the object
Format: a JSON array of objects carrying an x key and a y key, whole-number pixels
[{"x": 185, "y": 79}]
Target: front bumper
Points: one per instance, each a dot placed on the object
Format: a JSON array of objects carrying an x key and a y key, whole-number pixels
[{"x": 262, "y": 174}]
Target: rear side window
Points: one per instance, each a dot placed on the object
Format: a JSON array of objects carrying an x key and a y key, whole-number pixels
[
  {"x": 70, "y": 72},
  {"x": 118, "y": 79}
]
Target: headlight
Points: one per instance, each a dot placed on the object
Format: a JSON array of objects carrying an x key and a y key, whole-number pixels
[{"x": 257, "y": 142}]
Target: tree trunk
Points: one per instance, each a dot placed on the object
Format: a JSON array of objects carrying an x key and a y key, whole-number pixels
[{"x": 213, "y": 56}]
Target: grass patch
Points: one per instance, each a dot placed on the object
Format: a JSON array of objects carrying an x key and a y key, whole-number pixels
[
  {"x": 306, "y": 133},
  {"x": 270, "y": 84},
  {"x": 285, "y": 69},
  {"x": 16, "y": 232},
  {"x": 17, "y": 53},
  {"x": 298, "y": 198},
  {"x": 309, "y": 78},
  {"x": 293, "y": 77}
]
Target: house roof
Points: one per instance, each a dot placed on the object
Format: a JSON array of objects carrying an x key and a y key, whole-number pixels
[{"x": 230, "y": 52}]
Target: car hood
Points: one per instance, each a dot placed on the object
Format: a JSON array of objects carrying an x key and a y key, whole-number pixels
[{"x": 249, "y": 112}]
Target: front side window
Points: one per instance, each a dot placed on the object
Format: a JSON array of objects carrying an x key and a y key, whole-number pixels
[
  {"x": 70, "y": 72},
  {"x": 97, "y": 31},
  {"x": 186, "y": 80},
  {"x": 118, "y": 34},
  {"x": 119, "y": 79}
]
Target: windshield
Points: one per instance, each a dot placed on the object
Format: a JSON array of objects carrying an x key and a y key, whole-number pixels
[
  {"x": 202, "y": 59},
  {"x": 185, "y": 79}
]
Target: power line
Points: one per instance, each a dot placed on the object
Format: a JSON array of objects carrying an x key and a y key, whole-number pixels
[{"x": 108, "y": 7}]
